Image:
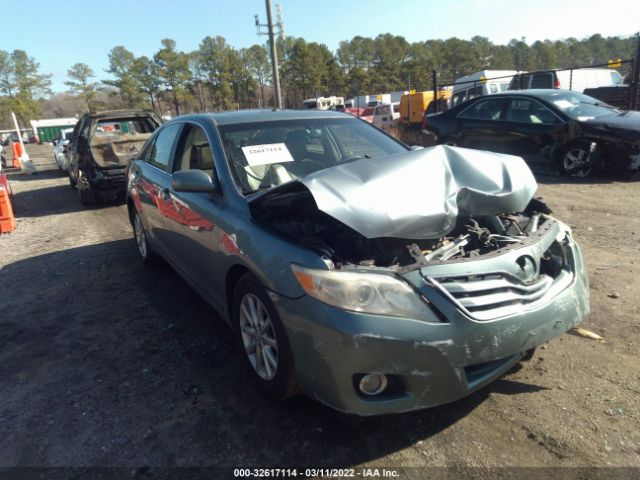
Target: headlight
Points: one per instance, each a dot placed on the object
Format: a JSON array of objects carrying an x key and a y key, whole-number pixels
[{"x": 363, "y": 292}]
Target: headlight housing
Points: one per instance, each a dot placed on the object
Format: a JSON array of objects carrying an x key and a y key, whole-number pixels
[{"x": 380, "y": 294}]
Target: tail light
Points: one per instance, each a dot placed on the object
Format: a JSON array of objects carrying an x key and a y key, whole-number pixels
[{"x": 556, "y": 83}]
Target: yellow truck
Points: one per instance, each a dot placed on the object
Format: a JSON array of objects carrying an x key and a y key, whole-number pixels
[{"x": 413, "y": 105}]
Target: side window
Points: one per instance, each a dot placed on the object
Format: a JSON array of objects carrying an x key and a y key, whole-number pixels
[
  {"x": 616, "y": 78},
  {"x": 458, "y": 98},
  {"x": 521, "y": 82},
  {"x": 529, "y": 111},
  {"x": 474, "y": 92},
  {"x": 484, "y": 110},
  {"x": 194, "y": 151},
  {"x": 542, "y": 80},
  {"x": 493, "y": 88},
  {"x": 147, "y": 149},
  {"x": 159, "y": 154}
]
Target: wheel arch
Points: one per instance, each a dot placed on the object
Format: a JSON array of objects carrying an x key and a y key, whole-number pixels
[{"x": 231, "y": 280}]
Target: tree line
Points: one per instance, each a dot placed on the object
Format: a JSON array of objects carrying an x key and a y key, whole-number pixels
[{"x": 217, "y": 76}]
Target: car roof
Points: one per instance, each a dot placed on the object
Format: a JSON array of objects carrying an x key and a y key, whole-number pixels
[
  {"x": 252, "y": 116},
  {"x": 546, "y": 93},
  {"x": 120, "y": 114}
]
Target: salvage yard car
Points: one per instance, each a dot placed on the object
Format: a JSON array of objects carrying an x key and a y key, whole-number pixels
[
  {"x": 579, "y": 134},
  {"x": 100, "y": 149},
  {"x": 60, "y": 148},
  {"x": 367, "y": 275}
]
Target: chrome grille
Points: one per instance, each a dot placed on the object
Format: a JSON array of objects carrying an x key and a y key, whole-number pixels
[{"x": 493, "y": 295}]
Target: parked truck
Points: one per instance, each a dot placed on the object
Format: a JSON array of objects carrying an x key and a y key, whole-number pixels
[
  {"x": 413, "y": 106},
  {"x": 323, "y": 103},
  {"x": 49, "y": 129}
]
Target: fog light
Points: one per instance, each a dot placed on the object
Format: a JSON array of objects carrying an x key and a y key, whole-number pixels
[{"x": 373, "y": 383}]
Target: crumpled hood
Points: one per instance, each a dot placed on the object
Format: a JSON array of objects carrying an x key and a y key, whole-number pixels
[{"x": 419, "y": 194}]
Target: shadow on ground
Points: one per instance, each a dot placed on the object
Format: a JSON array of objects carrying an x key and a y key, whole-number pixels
[
  {"x": 53, "y": 200},
  {"x": 108, "y": 362}
]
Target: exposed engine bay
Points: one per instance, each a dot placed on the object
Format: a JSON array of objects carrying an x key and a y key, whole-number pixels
[
  {"x": 433, "y": 205},
  {"x": 296, "y": 215}
]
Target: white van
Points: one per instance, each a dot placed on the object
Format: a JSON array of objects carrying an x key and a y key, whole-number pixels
[
  {"x": 386, "y": 115},
  {"x": 484, "y": 82},
  {"x": 577, "y": 80},
  {"x": 323, "y": 103}
]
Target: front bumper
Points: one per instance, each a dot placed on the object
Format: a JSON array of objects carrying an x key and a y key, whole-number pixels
[{"x": 427, "y": 363}]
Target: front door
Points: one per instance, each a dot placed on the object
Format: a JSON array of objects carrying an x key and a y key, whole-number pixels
[{"x": 194, "y": 238}]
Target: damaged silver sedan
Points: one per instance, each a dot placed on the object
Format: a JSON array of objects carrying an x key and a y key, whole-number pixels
[{"x": 371, "y": 277}]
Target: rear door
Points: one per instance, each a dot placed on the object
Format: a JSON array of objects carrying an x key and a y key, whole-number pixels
[
  {"x": 532, "y": 128},
  {"x": 480, "y": 125},
  {"x": 152, "y": 179}
]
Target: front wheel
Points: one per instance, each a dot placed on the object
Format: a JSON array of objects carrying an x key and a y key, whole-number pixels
[
  {"x": 262, "y": 340},
  {"x": 577, "y": 160}
]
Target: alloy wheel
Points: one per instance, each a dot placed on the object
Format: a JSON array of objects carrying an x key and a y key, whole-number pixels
[
  {"x": 141, "y": 239},
  {"x": 577, "y": 162},
  {"x": 258, "y": 336}
]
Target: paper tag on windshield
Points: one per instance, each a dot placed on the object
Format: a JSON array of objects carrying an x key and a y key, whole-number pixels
[
  {"x": 267, "y": 154},
  {"x": 563, "y": 104}
]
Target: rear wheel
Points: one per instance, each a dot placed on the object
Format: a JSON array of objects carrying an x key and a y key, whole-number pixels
[
  {"x": 72, "y": 181},
  {"x": 88, "y": 196},
  {"x": 147, "y": 255},
  {"x": 262, "y": 340}
]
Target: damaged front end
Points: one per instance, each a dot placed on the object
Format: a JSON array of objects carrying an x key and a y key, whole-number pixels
[
  {"x": 405, "y": 211},
  {"x": 443, "y": 269}
]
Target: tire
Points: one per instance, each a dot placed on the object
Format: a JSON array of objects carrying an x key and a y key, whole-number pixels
[
  {"x": 147, "y": 255},
  {"x": 450, "y": 141},
  {"x": 88, "y": 195},
  {"x": 577, "y": 160},
  {"x": 268, "y": 357}
]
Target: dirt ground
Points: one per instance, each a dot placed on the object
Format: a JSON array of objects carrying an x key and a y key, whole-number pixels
[{"x": 105, "y": 362}]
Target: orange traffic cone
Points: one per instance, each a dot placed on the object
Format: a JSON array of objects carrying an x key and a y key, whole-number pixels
[
  {"x": 17, "y": 153},
  {"x": 7, "y": 221}
]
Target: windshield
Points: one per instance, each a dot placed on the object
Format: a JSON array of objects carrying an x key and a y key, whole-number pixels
[
  {"x": 263, "y": 155},
  {"x": 581, "y": 107}
]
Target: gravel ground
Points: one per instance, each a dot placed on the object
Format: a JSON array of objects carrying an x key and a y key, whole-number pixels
[{"x": 105, "y": 362}]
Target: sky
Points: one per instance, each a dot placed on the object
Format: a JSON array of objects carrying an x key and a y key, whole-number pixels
[{"x": 61, "y": 33}]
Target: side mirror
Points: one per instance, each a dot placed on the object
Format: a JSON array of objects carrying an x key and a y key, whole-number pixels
[{"x": 192, "y": 181}]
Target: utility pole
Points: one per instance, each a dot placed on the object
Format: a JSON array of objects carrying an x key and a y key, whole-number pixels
[{"x": 272, "y": 44}]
